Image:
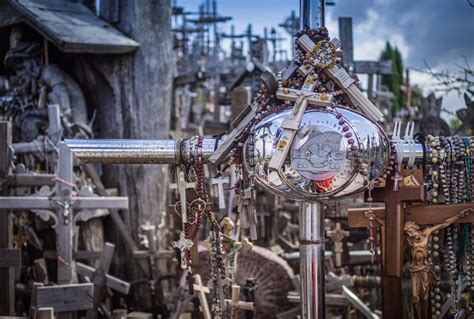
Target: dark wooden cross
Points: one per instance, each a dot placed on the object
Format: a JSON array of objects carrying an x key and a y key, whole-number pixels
[
  {"x": 9, "y": 257},
  {"x": 64, "y": 203},
  {"x": 370, "y": 68},
  {"x": 393, "y": 238},
  {"x": 101, "y": 279}
]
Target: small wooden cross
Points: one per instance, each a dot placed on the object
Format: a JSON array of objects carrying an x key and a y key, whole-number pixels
[
  {"x": 291, "y": 124},
  {"x": 218, "y": 183},
  {"x": 181, "y": 185},
  {"x": 235, "y": 304},
  {"x": 201, "y": 292},
  {"x": 183, "y": 245},
  {"x": 337, "y": 235}
]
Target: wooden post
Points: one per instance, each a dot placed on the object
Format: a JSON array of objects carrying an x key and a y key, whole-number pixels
[
  {"x": 7, "y": 275},
  {"x": 392, "y": 265}
]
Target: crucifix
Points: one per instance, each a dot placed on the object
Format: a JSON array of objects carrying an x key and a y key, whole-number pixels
[
  {"x": 64, "y": 203},
  {"x": 218, "y": 183},
  {"x": 101, "y": 279},
  {"x": 419, "y": 215},
  {"x": 337, "y": 235},
  {"x": 393, "y": 238},
  {"x": 201, "y": 292},
  {"x": 183, "y": 245}
]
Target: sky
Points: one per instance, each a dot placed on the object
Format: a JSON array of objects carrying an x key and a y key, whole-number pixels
[{"x": 440, "y": 32}]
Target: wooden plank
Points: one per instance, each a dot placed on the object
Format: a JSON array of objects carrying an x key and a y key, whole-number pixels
[
  {"x": 345, "y": 34},
  {"x": 64, "y": 227},
  {"x": 9, "y": 258},
  {"x": 73, "y": 28},
  {"x": 5, "y": 142},
  {"x": 66, "y": 298},
  {"x": 7, "y": 275},
  {"x": 31, "y": 179},
  {"x": 422, "y": 215},
  {"x": 45, "y": 313},
  {"x": 110, "y": 281},
  {"x": 373, "y": 67}
]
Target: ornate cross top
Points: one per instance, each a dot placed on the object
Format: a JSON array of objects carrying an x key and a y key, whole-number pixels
[
  {"x": 218, "y": 183},
  {"x": 337, "y": 235},
  {"x": 183, "y": 245},
  {"x": 234, "y": 303},
  {"x": 201, "y": 292},
  {"x": 345, "y": 81},
  {"x": 181, "y": 185}
]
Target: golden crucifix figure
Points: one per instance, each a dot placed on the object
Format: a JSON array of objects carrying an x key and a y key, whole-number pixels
[{"x": 420, "y": 267}]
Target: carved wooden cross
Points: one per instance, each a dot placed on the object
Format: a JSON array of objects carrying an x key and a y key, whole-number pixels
[
  {"x": 64, "y": 203},
  {"x": 235, "y": 304},
  {"x": 337, "y": 235},
  {"x": 101, "y": 279},
  {"x": 201, "y": 292},
  {"x": 291, "y": 124},
  {"x": 181, "y": 185},
  {"x": 218, "y": 183}
]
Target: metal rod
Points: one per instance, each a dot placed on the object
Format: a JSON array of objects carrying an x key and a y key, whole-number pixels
[
  {"x": 312, "y": 14},
  {"x": 312, "y": 260},
  {"x": 137, "y": 151}
]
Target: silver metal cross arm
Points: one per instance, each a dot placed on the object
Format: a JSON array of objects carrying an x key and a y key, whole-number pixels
[{"x": 137, "y": 151}]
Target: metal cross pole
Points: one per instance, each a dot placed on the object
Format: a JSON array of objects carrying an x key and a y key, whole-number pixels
[{"x": 312, "y": 274}]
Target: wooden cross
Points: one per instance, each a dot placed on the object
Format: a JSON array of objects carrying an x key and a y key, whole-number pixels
[
  {"x": 7, "y": 275},
  {"x": 201, "y": 292},
  {"x": 64, "y": 203},
  {"x": 101, "y": 279},
  {"x": 181, "y": 185},
  {"x": 370, "y": 68},
  {"x": 238, "y": 125},
  {"x": 345, "y": 81},
  {"x": 218, "y": 183},
  {"x": 235, "y": 304},
  {"x": 250, "y": 290},
  {"x": 291, "y": 124},
  {"x": 337, "y": 235}
]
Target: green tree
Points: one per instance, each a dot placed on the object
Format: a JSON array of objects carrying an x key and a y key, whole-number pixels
[{"x": 394, "y": 80}]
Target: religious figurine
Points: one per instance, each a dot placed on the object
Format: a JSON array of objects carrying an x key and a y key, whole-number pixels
[{"x": 420, "y": 268}]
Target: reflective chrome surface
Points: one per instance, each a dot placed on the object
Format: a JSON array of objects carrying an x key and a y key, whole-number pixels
[
  {"x": 322, "y": 164},
  {"x": 312, "y": 260},
  {"x": 136, "y": 151}
]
